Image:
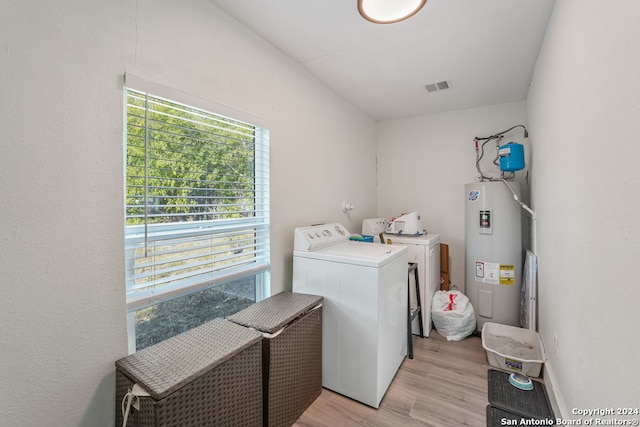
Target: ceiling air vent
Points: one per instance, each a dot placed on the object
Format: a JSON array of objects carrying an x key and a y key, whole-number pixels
[{"x": 434, "y": 87}]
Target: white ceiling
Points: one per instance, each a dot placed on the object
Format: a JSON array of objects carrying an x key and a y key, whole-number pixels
[{"x": 485, "y": 49}]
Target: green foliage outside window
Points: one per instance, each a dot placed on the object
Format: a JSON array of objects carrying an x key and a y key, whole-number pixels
[{"x": 196, "y": 169}]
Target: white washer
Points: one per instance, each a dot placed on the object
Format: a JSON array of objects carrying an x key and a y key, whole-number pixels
[
  {"x": 364, "y": 285},
  {"x": 425, "y": 251}
]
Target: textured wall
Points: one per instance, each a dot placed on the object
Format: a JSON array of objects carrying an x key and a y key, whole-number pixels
[
  {"x": 583, "y": 112},
  {"x": 62, "y": 312}
]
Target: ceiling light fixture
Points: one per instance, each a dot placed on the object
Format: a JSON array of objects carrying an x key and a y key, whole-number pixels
[{"x": 389, "y": 11}]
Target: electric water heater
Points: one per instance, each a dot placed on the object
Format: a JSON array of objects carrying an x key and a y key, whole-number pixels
[{"x": 493, "y": 252}]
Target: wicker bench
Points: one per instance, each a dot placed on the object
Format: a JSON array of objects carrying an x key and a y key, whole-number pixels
[
  {"x": 292, "y": 353},
  {"x": 208, "y": 376}
]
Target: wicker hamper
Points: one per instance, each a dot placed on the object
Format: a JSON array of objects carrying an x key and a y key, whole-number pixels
[
  {"x": 208, "y": 376},
  {"x": 292, "y": 353}
]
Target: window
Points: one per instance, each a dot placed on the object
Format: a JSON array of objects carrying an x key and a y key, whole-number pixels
[{"x": 196, "y": 216}]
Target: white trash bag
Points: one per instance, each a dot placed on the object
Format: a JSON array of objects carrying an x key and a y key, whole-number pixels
[{"x": 453, "y": 315}]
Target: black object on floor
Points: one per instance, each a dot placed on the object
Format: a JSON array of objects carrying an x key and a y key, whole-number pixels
[
  {"x": 412, "y": 314},
  {"x": 522, "y": 403}
]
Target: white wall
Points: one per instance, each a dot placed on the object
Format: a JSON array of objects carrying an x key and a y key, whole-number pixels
[
  {"x": 61, "y": 177},
  {"x": 424, "y": 162},
  {"x": 63, "y": 311},
  {"x": 322, "y": 149},
  {"x": 583, "y": 108}
]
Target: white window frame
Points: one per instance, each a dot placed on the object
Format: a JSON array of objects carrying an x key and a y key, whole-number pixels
[{"x": 148, "y": 233}]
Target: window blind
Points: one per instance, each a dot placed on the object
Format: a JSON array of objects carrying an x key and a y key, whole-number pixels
[{"x": 197, "y": 199}]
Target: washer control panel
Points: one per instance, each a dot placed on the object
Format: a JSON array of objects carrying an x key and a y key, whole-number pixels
[{"x": 318, "y": 236}]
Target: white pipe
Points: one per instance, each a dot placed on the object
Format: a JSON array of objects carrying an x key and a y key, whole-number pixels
[
  {"x": 525, "y": 207},
  {"x": 532, "y": 213},
  {"x": 534, "y": 243},
  {"x": 515, "y": 197}
]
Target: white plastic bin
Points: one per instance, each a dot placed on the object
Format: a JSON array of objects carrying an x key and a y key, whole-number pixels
[{"x": 513, "y": 349}]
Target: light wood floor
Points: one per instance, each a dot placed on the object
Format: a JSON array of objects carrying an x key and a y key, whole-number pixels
[{"x": 444, "y": 385}]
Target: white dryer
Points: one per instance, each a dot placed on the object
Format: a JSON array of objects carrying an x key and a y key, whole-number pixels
[
  {"x": 364, "y": 286},
  {"x": 425, "y": 251}
]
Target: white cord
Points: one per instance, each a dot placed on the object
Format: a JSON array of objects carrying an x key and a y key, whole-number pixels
[
  {"x": 125, "y": 412},
  {"x": 134, "y": 393}
]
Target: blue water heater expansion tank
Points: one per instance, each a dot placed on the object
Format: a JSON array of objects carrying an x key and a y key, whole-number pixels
[{"x": 511, "y": 157}]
